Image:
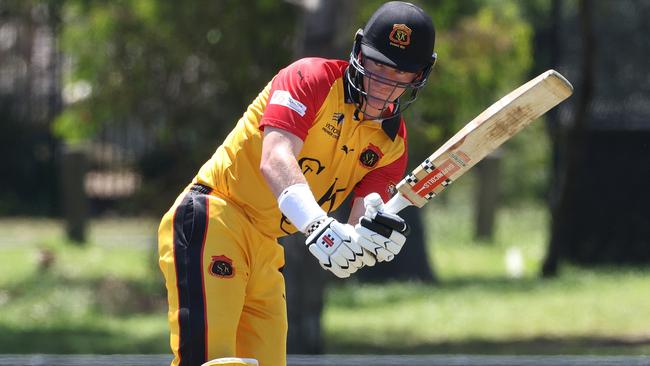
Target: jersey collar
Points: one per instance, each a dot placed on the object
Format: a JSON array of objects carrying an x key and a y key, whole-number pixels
[{"x": 391, "y": 126}]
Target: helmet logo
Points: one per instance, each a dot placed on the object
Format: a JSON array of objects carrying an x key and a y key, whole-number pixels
[{"x": 400, "y": 36}]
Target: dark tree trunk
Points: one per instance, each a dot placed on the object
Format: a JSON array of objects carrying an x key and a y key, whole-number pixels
[
  {"x": 609, "y": 213},
  {"x": 487, "y": 196},
  {"x": 305, "y": 279},
  {"x": 30, "y": 98},
  {"x": 325, "y": 34},
  {"x": 412, "y": 263},
  {"x": 572, "y": 145}
]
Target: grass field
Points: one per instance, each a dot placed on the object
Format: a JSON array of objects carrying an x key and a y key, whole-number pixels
[
  {"x": 107, "y": 296},
  {"x": 477, "y": 307}
]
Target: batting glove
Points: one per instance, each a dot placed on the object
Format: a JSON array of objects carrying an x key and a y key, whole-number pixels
[
  {"x": 335, "y": 246},
  {"x": 380, "y": 233}
]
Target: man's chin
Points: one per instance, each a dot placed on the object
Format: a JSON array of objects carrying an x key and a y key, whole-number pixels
[{"x": 372, "y": 113}]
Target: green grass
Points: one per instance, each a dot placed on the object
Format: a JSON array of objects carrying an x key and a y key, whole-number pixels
[
  {"x": 107, "y": 296},
  {"x": 477, "y": 306},
  {"x": 103, "y": 297},
  {"x": 581, "y": 309}
]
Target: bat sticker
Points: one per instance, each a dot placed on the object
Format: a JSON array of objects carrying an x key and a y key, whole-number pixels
[{"x": 437, "y": 177}]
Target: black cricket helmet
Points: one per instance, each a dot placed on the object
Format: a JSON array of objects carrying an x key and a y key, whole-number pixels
[{"x": 399, "y": 35}]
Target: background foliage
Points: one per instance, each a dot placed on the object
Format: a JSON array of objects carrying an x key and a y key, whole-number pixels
[
  {"x": 174, "y": 78},
  {"x": 180, "y": 75},
  {"x": 183, "y": 75}
]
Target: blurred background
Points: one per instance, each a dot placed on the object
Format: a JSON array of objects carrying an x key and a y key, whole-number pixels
[{"x": 108, "y": 109}]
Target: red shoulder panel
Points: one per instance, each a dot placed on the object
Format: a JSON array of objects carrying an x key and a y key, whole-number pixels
[{"x": 297, "y": 93}]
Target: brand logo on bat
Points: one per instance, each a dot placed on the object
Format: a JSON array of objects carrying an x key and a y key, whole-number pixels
[
  {"x": 460, "y": 157},
  {"x": 435, "y": 178}
]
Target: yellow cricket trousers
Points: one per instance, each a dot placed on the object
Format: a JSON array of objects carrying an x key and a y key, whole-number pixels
[{"x": 224, "y": 283}]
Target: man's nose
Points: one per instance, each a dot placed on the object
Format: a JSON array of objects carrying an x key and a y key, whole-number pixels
[{"x": 385, "y": 88}]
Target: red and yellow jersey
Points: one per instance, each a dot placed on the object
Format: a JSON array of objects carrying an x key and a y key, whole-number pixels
[{"x": 340, "y": 155}]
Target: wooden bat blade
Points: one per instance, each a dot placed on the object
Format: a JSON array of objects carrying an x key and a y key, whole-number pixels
[{"x": 479, "y": 137}]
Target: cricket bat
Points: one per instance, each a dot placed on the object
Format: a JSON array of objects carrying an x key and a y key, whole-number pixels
[{"x": 478, "y": 138}]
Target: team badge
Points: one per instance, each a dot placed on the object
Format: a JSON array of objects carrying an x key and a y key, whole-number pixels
[
  {"x": 370, "y": 156},
  {"x": 400, "y": 36},
  {"x": 221, "y": 266}
]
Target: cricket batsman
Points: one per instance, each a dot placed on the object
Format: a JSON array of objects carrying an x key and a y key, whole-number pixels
[{"x": 319, "y": 131}]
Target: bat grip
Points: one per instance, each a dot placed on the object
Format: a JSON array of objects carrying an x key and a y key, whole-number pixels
[{"x": 397, "y": 204}]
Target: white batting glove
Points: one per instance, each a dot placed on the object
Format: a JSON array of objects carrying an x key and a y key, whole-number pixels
[
  {"x": 381, "y": 233},
  {"x": 335, "y": 246}
]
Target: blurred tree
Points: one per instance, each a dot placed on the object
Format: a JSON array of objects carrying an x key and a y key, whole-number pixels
[
  {"x": 320, "y": 34},
  {"x": 319, "y": 37},
  {"x": 168, "y": 69},
  {"x": 573, "y": 142},
  {"x": 484, "y": 50},
  {"x": 30, "y": 95},
  {"x": 176, "y": 77},
  {"x": 602, "y": 130}
]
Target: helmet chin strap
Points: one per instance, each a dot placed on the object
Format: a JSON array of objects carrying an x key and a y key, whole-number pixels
[{"x": 356, "y": 114}]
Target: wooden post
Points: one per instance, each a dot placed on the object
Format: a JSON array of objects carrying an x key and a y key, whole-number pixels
[
  {"x": 305, "y": 280},
  {"x": 487, "y": 195},
  {"x": 74, "y": 201},
  {"x": 305, "y": 291}
]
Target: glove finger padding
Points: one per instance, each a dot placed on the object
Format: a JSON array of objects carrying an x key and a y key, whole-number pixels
[
  {"x": 350, "y": 249},
  {"x": 373, "y": 204},
  {"x": 327, "y": 264},
  {"x": 338, "y": 271},
  {"x": 384, "y": 235},
  {"x": 334, "y": 245},
  {"x": 368, "y": 258},
  {"x": 392, "y": 222},
  {"x": 393, "y": 243},
  {"x": 375, "y": 244}
]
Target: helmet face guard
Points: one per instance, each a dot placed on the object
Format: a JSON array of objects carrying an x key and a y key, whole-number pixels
[{"x": 387, "y": 108}]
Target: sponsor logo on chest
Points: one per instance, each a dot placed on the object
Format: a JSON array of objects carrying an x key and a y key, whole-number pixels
[{"x": 333, "y": 126}]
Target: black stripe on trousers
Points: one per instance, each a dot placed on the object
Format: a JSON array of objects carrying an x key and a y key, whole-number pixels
[{"x": 190, "y": 225}]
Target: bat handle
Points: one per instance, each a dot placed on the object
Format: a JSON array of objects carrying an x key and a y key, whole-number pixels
[{"x": 397, "y": 204}]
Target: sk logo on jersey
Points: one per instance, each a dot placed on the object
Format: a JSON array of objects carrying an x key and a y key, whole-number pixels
[
  {"x": 370, "y": 156},
  {"x": 400, "y": 36},
  {"x": 221, "y": 266}
]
